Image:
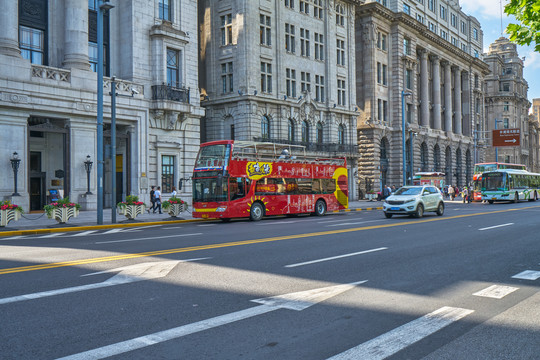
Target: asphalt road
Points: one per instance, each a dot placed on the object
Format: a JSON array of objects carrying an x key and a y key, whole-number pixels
[{"x": 344, "y": 286}]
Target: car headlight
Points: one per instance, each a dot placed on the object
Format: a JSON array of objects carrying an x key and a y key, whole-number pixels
[{"x": 221, "y": 209}]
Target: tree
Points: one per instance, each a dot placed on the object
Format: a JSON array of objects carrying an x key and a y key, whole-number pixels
[{"x": 527, "y": 12}]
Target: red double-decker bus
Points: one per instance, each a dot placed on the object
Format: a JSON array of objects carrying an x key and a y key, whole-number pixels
[
  {"x": 481, "y": 168},
  {"x": 253, "y": 179}
]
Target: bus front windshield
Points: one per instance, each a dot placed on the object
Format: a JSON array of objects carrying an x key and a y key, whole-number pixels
[
  {"x": 493, "y": 181},
  {"x": 209, "y": 189},
  {"x": 213, "y": 157}
]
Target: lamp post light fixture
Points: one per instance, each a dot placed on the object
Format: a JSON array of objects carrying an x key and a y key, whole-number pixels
[
  {"x": 88, "y": 167},
  {"x": 15, "y": 161},
  {"x": 403, "y": 150}
]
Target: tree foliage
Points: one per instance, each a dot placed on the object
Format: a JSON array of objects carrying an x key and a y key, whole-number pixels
[{"x": 527, "y": 13}]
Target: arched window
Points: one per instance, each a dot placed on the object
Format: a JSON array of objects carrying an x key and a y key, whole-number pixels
[
  {"x": 424, "y": 157},
  {"x": 436, "y": 158},
  {"x": 305, "y": 132},
  {"x": 265, "y": 127},
  {"x": 290, "y": 130},
  {"x": 319, "y": 133},
  {"x": 341, "y": 134}
]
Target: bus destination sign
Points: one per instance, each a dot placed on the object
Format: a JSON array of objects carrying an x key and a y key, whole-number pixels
[{"x": 506, "y": 137}]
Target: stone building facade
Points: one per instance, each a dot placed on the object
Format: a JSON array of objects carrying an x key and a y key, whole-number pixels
[
  {"x": 430, "y": 52},
  {"x": 48, "y": 97},
  {"x": 281, "y": 71},
  {"x": 506, "y": 101}
]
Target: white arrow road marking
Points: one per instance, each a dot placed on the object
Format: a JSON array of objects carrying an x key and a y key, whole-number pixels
[
  {"x": 295, "y": 301},
  {"x": 147, "y": 238},
  {"x": 84, "y": 233},
  {"x": 496, "y": 226},
  {"x": 527, "y": 275},
  {"x": 128, "y": 274},
  {"x": 496, "y": 291},
  {"x": 398, "y": 339},
  {"x": 335, "y": 257}
]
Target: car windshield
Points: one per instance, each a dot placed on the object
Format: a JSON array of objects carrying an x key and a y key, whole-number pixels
[{"x": 408, "y": 191}]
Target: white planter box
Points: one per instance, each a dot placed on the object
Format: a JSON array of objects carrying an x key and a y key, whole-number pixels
[
  {"x": 131, "y": 211},
  {"x": 175, "y": 209},
  {"x": 62, "y": 215},
  {"x": 8, "y": 215}
]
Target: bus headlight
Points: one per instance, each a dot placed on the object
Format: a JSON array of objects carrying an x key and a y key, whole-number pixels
[{"x": 221, "y": 209}]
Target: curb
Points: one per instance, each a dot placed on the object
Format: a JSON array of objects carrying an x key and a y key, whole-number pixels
[{"x": 135, "y": 224}]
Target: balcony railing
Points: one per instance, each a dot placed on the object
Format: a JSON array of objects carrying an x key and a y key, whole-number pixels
[
  {"x": 166, "y": 92},
  {"x": 324, "y": 147}
]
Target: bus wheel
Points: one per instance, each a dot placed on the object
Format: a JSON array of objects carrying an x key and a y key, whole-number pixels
[
  {"x": 490, "y": 201},
  {"x": 257, "y": 211},
  {"x": 516, "y": 198},
  {"x": 320, "y": 208},
  {"x": 419, "y": 211}
]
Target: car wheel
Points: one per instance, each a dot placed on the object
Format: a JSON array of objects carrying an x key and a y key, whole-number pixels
[
  {"x": 256, "y": 212},
  {"x": 490, "y": 201},
  {"x": 388, "y": 216},
  {"x": 419, "y": 211},
  {"x": 320, "y": 208},
  {"x": 440, "y": 209}
]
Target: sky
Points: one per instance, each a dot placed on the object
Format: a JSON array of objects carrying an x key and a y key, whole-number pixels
[{"x": 488, "y": 12}]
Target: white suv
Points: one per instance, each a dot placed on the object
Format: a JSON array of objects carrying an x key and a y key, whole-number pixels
[{"x": 414, "y": 200}]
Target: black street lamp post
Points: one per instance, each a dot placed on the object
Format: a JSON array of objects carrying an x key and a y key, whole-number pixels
[
  {"x": 88, "y": 166},
  {"x": 15, "y": 161}
]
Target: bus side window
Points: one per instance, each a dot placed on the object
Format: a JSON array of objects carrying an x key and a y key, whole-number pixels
[{"x": 328, "y": 186}]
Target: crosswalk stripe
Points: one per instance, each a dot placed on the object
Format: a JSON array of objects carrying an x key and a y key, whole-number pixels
[
  {"x": 51, "y": 235},
  {"x": 527, "y": 275},
  {"x": 496, "y": 291},
  {"x": 393, "y": 341},
  {"x": 84, "y": 233}
]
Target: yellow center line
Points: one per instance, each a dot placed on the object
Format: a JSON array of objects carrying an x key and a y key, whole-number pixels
[{"x": 235, "y": 243}]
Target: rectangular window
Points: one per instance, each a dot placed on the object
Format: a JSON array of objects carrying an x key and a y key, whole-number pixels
[
  {"x": 92, "y": 56},
  {"x": 289, "y": 4},
  {"x": 304, "y": 42},
  {"x": 443, "y": 12},
  {"x": 406, "y": 9},
  {"x": 385, "y": 74},
  {"x": 227, "y": 77},
  {"x": 340, "y": 44},
  {"x": 475, "y": 33},
  {"x": 173, "y": 68},
  {"x": 379, "y": 73},
  {"x": 341, "y": 92},
  {"x": 340, "y": 15},
  {"x": 31, "y": 43},
  {"x": 266, "y": 77},
  {"x": 318, "y": 9},
  {"x": 167, "y": 173},
  {"x": 506, "y": 87},
  {"x": 265, "y": 30},
  {"x": 453, "y": 20},
  {"x": 444, "y": 35},
  {"x": 506, "y": 123},
  {"x": 506, "y": 106},
  {"x": 432, "y": 26},
  {"x": 383, "y": 42},
  {"x": 420, "y": 18},
  {"x": 304, "y": 6},
  {"x": 165, "y": 10},
  {"x": 409, "y": 113},
  {"x": 407, "y": 46},
  {"x": 408, "y": 78},
  {"x": 319, "y": 47},
  {"x": 319, "y": 88},
  {"x": 464, "y": 47},
  {"x": 290, "y": 38},
  {"x": 431, "y": 5},
  {"x": 226, "y": 29},
  {"x": 454, "y": 41},
  {"x": 385, "y": 110},
  {"x": 379, "y": 109},
  {"x": 290, "y": 80},
  {"x": 305, "y": 81},
  {"x": 463, "y": 27}
]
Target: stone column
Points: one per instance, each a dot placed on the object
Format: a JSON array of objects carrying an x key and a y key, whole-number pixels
[
  {"x": 457, "y": 100},
  {"x": 76, "y": 35},
  {"x": 436, "y": 93},
  {"x": 9, "y": 28},
  {"x": 424, "y": 88},
  {"x": 447, "y": 97}
]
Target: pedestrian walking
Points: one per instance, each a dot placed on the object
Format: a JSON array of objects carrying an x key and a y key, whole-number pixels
[
  {"x": 152, "y": 199},
  {"x": 446, "y": 192},
  {"x": 173, "y": 193},
  {"x": 157, "y": 195},
  {"x": 465, "y": 194},
  {"x": 451, "y": 192},
  {"x": 386, "y": 192}
]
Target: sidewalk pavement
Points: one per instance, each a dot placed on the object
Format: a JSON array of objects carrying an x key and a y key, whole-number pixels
[{"x": 39, "y": 223}]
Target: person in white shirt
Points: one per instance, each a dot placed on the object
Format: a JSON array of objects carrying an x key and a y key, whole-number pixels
[
  {"x": 157, "y": 195},
  {"x": 173, "y": 194}
]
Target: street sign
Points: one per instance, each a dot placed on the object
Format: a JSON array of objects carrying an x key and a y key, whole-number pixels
[{"x": 506, "y": 137}]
